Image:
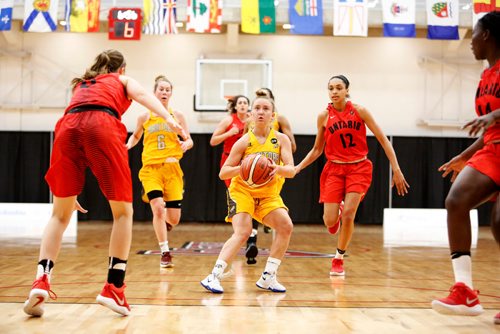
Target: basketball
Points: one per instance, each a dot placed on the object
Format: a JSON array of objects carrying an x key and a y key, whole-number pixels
[{"x": 255, "y": 170}]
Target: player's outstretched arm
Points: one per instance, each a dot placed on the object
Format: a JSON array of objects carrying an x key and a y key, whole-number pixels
[
  {"x": 319, "y": 143},
  {"x": 148, "y": 100},
  {"x": 398, "y": 179}
]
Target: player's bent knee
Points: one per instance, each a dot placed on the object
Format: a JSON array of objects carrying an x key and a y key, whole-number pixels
[
  {"x": 284, "y": 227},
  {"x": 330, "y": 220},
  {"x": 157, "y": 210},
  {"x": 243, "y": 236},
  {"x": 453, "y": 202}
]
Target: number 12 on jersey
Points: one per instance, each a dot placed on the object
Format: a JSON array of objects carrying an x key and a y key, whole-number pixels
[
  {"x": 347, "y": 140},
  {"x": 124, "y": 23}
]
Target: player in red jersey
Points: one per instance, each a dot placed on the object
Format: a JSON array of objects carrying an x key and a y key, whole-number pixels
[
  {"x": 230, "y": 129},
  {"x": 347, "y": 174},
  {"x": 475, "y": 172},
  {"x": 90, "y": 134}
]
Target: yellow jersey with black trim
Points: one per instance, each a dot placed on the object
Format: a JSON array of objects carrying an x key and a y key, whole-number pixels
[
  {"x": 160, "y": 142},
  {"x": 271, "y": 149}
]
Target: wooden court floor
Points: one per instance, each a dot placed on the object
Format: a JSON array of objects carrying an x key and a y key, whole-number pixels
[{"x": 386, "y": 289}]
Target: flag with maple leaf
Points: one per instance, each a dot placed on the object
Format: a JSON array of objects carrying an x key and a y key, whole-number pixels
[{"x": 204, "y": 16}]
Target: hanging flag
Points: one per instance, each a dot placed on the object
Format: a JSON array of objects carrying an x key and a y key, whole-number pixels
[
  {"x": 258, "y": 16},
  {"x": 40, "y": 15},
  {"x": 160, "y": 17},
  {"x": 82, "y": 15},
  {"x": 6, "y": 14},
  {"x": 204, "y": 16},
  {"x": 481, "y": 7},
  {"x": 350, "y": 18},
  {"x": 306, "y": 16},
  {"x": 442, "y": 19},
  {"x": 485, "y": 6},
  {"x": 399, "y": 18}
]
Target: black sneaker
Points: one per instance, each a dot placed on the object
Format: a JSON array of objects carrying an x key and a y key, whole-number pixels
[{"x": 251, "y": 253}]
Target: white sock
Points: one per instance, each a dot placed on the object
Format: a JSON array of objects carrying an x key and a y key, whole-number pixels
[
  {"x": 271, "y": 266},
  {"x": 254, "y": 233},
  {"x": 219, "y": 268},
  {"x": 164, "y": 247},
  {"x": 462, "y": 268},
  {"x": 40, "y": 271},
  {"x": 338, "y": 255}
]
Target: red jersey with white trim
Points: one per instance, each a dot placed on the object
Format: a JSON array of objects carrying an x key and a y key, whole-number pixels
[
  {"x": 229, "y": 142},
  {"x": 345, "y": 134},
  {"x": 104, "y": 90},
  {"x": 488, "y": 99}
]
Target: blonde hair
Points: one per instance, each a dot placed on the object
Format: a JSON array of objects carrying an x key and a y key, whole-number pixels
[
  {"x": 264, "y": 92},
  {"x": 108, "y": 61},
  {"x": 161, "y": 78}
]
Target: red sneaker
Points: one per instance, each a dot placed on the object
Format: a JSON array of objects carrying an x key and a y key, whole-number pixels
[
  {"x": 337, "y": 267},
  {"x": 496, "y": 319},
  {"x": 462, "y": 300},
  {"x": 166, "y": 260},
  {"x": 335, "y": 228},
  {"x": 114, "y": 298},
  {"x": 40, "y": 292}
]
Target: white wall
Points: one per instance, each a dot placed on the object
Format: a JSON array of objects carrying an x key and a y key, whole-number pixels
[{"x": 387, "y": 76}]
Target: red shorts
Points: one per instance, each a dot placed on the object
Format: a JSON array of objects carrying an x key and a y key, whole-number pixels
[
  {"x": 338, "y": 179},
  {"x": 487, "y": 161},
  {"x": 90, "y": 139}
]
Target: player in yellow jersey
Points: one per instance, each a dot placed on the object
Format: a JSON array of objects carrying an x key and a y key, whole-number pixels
[
  {"x": 280, "y": 123},
  {"x": 161, "y": 174},
  {"x": 263, "y": 203}
]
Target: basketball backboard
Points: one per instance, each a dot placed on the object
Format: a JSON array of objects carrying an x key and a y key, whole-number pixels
[{"x": 219, "y": 79}]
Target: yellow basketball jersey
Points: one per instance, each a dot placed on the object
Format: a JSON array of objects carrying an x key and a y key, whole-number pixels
[
  {"x": 160, "y": 142},
  {"x": 271, "y": 149}
]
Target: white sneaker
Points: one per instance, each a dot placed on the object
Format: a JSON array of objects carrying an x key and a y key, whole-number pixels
[
  {"x": 269, "y": 282},
  {"x": 212, "y": 283},
  {"x": 39, "y": 294},
  {"x": 34, "y": 305}
]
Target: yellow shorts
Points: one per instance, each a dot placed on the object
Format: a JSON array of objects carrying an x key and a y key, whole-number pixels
[
  {"x": 280, "y": 183},
  {"x": 239, "y": 201},
  {"x": 166, "y": 177}
]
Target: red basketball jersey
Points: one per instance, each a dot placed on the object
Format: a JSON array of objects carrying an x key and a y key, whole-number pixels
[
  {"x": 488, "y": 99},
  {"x": 345, "y": 134},
  {"x": 229, "y": 142},
  {"x": 104, "y": 90}
]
